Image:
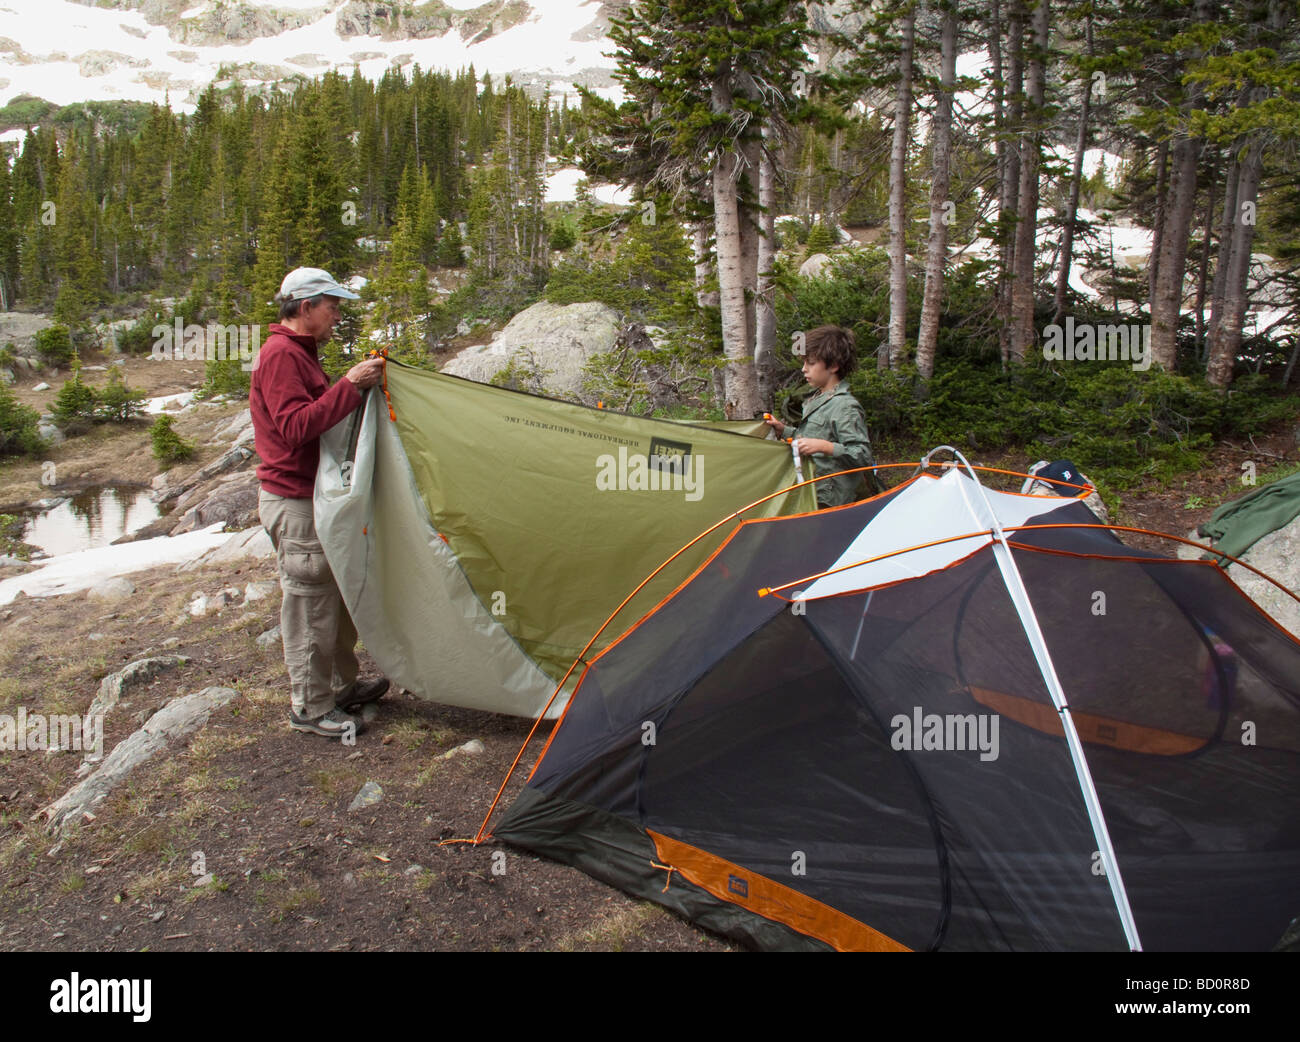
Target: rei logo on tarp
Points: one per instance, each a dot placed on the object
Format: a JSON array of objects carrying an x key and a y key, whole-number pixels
[{"x": 738, "y": 886}]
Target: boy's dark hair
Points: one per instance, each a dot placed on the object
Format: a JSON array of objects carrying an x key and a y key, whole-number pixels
[{"x": 833, "y": 346}]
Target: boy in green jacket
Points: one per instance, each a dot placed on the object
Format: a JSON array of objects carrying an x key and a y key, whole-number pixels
[{"x": 834, "y": 428}]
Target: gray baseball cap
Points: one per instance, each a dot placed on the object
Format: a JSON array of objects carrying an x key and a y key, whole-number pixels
[{"x": 302, "y": 283}]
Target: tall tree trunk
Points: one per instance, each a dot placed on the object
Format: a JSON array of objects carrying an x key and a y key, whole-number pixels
[
  {"x": 937, "y": 247},
  {"x": 1166, "y": 304},
  {"x": 898, "y": 199},
  {"x": 705, "y": 295},
  {"x": 1022, "y": 287},
  {"x": 764, "y": 304},
  {"x": 1009, "y": 184},
  {"x": 1226, "y": 342},
  {"x": 1203, "y": 267},
  {"x": 742, "y": 400},
  {"x": 1224, "y": 256},
  {"x": 1076, "y": 178},
  {"x": 1157, "y": 230}
]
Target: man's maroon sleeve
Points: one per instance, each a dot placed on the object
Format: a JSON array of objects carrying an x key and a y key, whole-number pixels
[{"x": 298, "y": 417}]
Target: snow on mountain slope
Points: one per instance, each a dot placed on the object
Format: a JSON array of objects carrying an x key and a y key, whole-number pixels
[{"x": 68, "y": 52}]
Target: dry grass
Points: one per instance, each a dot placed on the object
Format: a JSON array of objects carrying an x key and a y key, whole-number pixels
[{"x": 613, "y": 932}]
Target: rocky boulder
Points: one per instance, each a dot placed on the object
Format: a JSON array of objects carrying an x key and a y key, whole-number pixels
[
  {"x": 1276, "y": 555},
  {"x": 252, "y": 544},
  {"x": 233, "y": 501},
  {"x": 814, "y": 266},
  {"x": 544, "y": 347}
]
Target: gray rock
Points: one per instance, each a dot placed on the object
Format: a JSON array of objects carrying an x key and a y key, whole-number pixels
[
  {"x": 367, "y": 796},
  {"x": 251, "y": 543},
  {"x": 269, "y": 638},
  {"x": 115, "y": 589},
  {"x": 50, "y": 433},
  {"x": 814, "y": 266},
  {"x": 198, "y": 606},
  {"x": 233, "y": 502},
  {"x": 234, "y": 426},
  {"x": 180, "y": 717},
  {"x": 112, "y": 687},
  {"x": 547, "y": 344},
  {"x": 97, "y": 62},
  {"x": 1276, "y": 555},
  {"x": 471, "y": 748},
  {"x": 42, "y": 386},
  {"x": 232, "y": 460},
  {"x": 7, "y": 375},
  {"x": 259, "y": 591}
]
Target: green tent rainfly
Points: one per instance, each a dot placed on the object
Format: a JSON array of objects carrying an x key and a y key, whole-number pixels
[{"x": 480, "y": 536}]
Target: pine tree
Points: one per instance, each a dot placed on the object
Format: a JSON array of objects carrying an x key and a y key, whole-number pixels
[{"x": 702, "y": 79}]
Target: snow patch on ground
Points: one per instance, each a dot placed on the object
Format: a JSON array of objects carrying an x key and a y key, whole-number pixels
[
  {"x": 168, "y": 403},
  {"x": 69, "y": 573}
]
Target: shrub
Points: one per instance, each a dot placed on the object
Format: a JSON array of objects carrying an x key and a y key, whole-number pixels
[
  {"x": 18, "y": 426},
  {"x": 563, "y": 236},
  {"x": 820, "y": 239},
  {"x": 75, "y": 403},
  {"x": 117, "y": 402},
  {"x": 168, "y": 446},
  {"x": 54, "y": 345},
  {"x": 138, "y": 339}
]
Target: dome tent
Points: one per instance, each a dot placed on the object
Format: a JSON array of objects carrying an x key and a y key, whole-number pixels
[{"x": 958, "y": 719}]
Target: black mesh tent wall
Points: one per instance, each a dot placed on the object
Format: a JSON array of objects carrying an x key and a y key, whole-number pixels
[{"x": 874, "y": 760}]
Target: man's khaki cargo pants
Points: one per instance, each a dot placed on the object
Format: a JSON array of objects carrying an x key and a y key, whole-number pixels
[{"x": 319, "y": 636}]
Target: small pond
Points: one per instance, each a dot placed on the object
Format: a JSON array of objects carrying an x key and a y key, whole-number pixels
[{"x": 90, "y": 519}]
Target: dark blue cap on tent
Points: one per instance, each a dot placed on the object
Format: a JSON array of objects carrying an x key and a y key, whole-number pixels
[{"x": 1062, "y": 470}]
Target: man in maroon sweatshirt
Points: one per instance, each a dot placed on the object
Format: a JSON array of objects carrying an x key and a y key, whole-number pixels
[{"x": 292, "y": 404}]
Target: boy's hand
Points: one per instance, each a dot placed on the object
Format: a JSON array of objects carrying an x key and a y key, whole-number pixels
[
  {"x": 774, "y": 423},
  {"x": 814, "y": 447}
]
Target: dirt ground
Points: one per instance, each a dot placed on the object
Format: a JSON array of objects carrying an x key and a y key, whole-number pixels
[{"x": 264, "y": 810}]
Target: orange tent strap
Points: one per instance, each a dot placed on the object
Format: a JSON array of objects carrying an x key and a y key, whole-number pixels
[
  {"x": 387, "y": 397},
  {"x": 666, "y": 868}
]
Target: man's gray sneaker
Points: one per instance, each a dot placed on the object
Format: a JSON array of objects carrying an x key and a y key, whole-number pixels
[{"x": 334, "y": 724}]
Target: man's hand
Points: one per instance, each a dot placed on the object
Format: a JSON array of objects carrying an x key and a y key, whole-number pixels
[
  {"x": 367, "y": 373},
  {"x": 814, "y": 447}
]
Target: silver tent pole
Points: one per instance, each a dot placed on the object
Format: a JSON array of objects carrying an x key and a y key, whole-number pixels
[{"x": 1020, "y": 598}]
